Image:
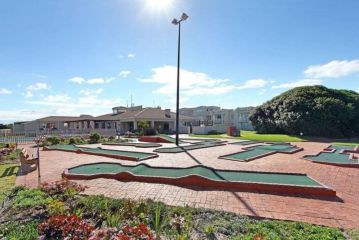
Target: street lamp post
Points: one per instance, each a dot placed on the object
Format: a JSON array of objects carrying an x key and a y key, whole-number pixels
[{"x": 178, "y": 22}]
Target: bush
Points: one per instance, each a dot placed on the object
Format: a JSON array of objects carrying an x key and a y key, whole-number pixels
[
  {"x": 56, "y": 207},
  {"x": 142, "y": 127},
  {"x": 212, "y": 132},
  {"x": 150, "y": 132},
  {"x": 65, "y": 227},
  {"x": 311, "y": 110},
  {"x": 63, "y": 188},
  {"x": 95, "y": 137},
  {"x": 53, "y": 140}
]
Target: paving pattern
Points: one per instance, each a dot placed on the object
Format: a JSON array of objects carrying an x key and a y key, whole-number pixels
[{"x": 342, "y": 211}]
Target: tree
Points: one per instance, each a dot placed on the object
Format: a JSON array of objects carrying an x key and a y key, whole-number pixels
[
  {"x": 142, "y": 127},
  {"x": 312, "y": 110}
]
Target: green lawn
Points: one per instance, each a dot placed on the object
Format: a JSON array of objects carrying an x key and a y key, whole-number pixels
[
  {"x": 7, "y": 178},
  {"x": 252, "y": 135}
]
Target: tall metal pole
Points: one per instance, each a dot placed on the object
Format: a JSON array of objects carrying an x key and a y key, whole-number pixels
[{"x": 178, "y": 76}]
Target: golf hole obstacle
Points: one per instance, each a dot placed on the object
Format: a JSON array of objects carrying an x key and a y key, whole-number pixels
[
  {"x": 259, "y": 151},
  {"x": 336, "y": 155},
  {"x": 192, "y": 146},
  {"x": 161, "y": 138},
  {"x": 202, "y": 176},
  {"x": 117, "y": 154}
]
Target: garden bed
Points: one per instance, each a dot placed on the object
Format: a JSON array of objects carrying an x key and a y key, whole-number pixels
[{"x": 57, "y": 211}]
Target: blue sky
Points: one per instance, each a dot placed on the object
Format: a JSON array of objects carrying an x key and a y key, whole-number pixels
[{"x": 74, "y": 56}]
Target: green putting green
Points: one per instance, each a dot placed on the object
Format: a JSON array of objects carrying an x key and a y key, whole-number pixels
[
  {"x": 193, "y": 146},
  {"x": 168, "y": 138},
  {"x": 134, "y": 144},
  {"x": 202, "y": 171},
  {"x": 104, "y": 152},
  {"x": 254, "y": 152},
  {"x": 244, "y": 142},
  {"x": 335, "y": 157}
]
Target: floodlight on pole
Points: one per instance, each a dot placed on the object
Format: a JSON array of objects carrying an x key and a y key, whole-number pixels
[{"x": 178, "y": 22}]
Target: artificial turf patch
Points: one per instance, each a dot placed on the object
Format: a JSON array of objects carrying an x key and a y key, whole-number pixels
[
  {"x": 254, "y": 152},
  {"x": 192, "y": 146},
  {"x": 206, "y": 172},
  {"x": 340, "y": 155},
  {"x": 104, "y": 152}
]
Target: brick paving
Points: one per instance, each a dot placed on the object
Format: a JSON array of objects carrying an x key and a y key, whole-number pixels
[{"x": 342, "y": 211}]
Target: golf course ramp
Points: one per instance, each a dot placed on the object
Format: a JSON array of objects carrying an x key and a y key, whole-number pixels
[
  {"x": 118, "y": 154},
  {"x": 203, "y": 176}
]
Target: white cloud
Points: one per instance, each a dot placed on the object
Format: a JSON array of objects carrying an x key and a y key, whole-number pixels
[
  {"x": 299, "y": 83},
  {"x": 124, "y": 73},
  {"x": 131, "y": 55},
  {"x": 61, "y": 98},
  {"x": 81, "y": 80},
  {"x": 90, "y": 103},
  {"x": 5, "y": 91},
  {"x": 195, "y": 83},
  {"x": 88, "y": 92},
  {"x": 78, "y": 80},
  {"x": 39, "y": 86},
  {"x": 333, "y": 69}
]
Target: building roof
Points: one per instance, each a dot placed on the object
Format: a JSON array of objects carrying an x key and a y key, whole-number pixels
[
  {"x": 141, "y": 114},
  {"x": 64, "y": 118}
]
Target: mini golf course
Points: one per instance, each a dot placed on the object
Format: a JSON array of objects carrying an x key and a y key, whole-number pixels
[
  {"x": 202, "y": 176},
  {"x": 134, "y": 144},
  {"x": 259, "y": 151},
  {"x": 336, "y": 155},
  {"x": 118, "y": 154},
  {"x": 192, "y": 146}
]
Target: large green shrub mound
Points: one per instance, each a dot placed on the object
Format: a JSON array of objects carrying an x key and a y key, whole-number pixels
[{"x": 312, "y": 110}]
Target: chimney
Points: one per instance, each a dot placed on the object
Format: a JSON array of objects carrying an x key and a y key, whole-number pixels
[{"x": 168, "y": 112}]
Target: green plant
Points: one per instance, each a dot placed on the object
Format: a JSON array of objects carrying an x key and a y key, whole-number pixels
[
  {"x": 209, "y": 230},
  {"x": 52, "y": 140},
  {"x": 311, "y": 110},
  {"x": 95, "y": 137},
  {"x": 19, "y": 230},
  {"x": 56, "y": 207},
  {"x": 63, "y": 189},
  {"x": 29, "y": 198},
  {"x": 142, "y": 127},
  {"x": 113, "y": 219}
]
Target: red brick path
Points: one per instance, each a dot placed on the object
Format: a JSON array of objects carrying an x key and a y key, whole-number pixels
[{"x": 341, "y": 212}]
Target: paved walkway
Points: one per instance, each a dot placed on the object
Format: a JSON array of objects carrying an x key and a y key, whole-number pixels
[{"x": 341, "y": 212}]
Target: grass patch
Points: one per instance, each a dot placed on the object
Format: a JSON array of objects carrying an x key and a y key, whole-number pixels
[
  {"x": 353, "y": 234},
  {"x": 252, "y": 135},
  {"x": 7, "y": 178},
  {"x": 19, "y": 231}
]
